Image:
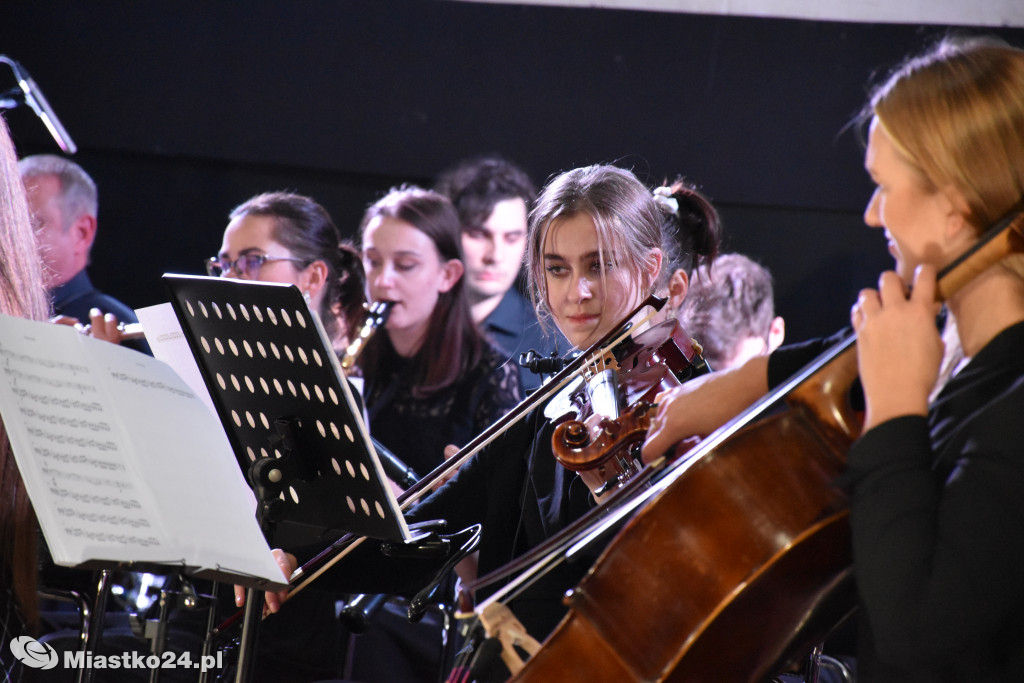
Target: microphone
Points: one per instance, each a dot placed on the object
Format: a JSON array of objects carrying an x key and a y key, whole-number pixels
[{"x": 34, "y": 98}]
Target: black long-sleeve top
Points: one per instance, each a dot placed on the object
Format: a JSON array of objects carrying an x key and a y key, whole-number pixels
[
  {"x": 937, "y": 515},
  {"x": 520, "y": 495}
]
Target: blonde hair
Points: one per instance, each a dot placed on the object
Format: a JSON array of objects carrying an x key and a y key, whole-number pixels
[
  {"x": 627, "y": 220},
  {"x": 21, "y": 294},
  {"x": 956, "y": 113}
]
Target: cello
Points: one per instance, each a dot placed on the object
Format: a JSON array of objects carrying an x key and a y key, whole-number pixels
[{"x": 742, "y": 540}]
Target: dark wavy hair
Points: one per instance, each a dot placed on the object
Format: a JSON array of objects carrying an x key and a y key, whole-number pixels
[
  {"x": 692, "y": 232},
  {"x": 453, "y": 344},
  {"x": 306, "y": 230},
  {"x": 475, "y": 186}
]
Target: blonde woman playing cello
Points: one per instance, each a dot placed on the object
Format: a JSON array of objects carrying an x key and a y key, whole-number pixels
[{"x": 938, "y": 527}]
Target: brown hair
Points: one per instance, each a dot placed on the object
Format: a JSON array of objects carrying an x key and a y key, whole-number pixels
[
  {"x": 627, "y": 220},
  {"x": 691, "y": 228},
  {"x": 453, "y": 344},
  {"x": 630, "y": 224}
]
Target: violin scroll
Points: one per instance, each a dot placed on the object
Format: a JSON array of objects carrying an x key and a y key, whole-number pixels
[
  {"x": 614, "y": 406},
  {"x": 609, "y": 446}
]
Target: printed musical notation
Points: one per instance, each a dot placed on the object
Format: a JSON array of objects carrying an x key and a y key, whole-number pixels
[
  {"x": 43, "y": 362},
  {"x": 64, "y": 412},
  {"x": 107, "y": 441},
  {"x": 49, "y": 400},
  {"x": 149, "y": 384}
]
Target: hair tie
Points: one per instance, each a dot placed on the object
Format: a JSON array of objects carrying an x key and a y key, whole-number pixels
[{"x": 663, "y": 197}]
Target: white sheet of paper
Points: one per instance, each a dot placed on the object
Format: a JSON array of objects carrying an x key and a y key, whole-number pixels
[
  {"x": 167, "y": 342},
  {"x": 122, "y": 460}
]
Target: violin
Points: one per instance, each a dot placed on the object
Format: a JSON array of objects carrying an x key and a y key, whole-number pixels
[
  {"x": 615, "y": 402},
  {"x": 743, "y": 540},
  {"x": 323, "y": 561}
]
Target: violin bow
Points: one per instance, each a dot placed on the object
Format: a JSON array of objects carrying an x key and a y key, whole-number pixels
[
  {"x": 341, "y": 548},
  {"x": 1006, "y": 236}
]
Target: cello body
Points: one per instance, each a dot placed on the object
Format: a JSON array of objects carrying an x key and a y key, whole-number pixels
[{"x": 734, "y": 571}]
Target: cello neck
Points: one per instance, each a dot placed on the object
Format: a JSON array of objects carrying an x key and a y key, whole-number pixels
[{"x": 1005, "y": 237}]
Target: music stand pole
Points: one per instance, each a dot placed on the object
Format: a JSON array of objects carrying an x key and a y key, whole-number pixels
[
  {"x": 290, "y": 416},
  {"x": 250, "y": 632}
]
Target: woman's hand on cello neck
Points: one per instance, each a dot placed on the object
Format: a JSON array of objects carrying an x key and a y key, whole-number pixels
[
  {"x": 898, "y": 346},
  {"x": 700, "y": 406}
]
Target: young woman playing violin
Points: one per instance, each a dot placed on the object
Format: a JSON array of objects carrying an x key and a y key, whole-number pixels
[
  {"x": 936, "y": 517},
  {"x": 594, "y": 254}
]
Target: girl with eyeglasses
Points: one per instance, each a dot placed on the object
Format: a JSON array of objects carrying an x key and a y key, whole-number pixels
[{"x": 286, "y": 237}]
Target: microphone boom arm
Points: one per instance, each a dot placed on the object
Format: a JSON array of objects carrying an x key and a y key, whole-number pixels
[{"x": 33, "y": 97}]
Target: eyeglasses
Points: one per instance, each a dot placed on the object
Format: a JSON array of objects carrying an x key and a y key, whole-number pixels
[{"x": 247, "y": 264}]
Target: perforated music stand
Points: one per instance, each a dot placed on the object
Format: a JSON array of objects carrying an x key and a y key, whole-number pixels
[{"x": 281, "y": 393}]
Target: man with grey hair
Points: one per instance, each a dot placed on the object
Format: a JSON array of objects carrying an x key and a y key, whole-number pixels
[{"x": 62, "y": 201}]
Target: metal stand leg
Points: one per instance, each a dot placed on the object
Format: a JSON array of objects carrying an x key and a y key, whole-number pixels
[
  {"x": 813, "y": 665},
  {"x": 156, "y": 632},
  {"x": 250, "y": 632},
  {"x": 819, "y": 661},
  {"x": 84, "y": 617},
  {"x": 92, "y": 624},
  {"x": 449, "y": 633},
  {"x": 211, "y": 623}
]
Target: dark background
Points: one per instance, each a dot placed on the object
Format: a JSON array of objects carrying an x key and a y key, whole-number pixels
[{"x": 182, "y": 113}]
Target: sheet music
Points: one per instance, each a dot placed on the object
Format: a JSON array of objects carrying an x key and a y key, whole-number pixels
[
  {"x": 123, "y": 462},
  {"x": 168, "y": 343}
]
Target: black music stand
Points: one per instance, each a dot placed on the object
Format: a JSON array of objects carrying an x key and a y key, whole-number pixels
[
  {"x": 290, "y": 417},
  {"x": 288, "y": 410}
]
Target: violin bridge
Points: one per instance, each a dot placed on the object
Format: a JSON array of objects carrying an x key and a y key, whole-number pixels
[{"x": 600, "y": 362}]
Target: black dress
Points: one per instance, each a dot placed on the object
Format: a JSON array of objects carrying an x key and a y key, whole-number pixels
[
  {"x": 520, "y": 495},
  {"x": 417, "y": 429}
]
